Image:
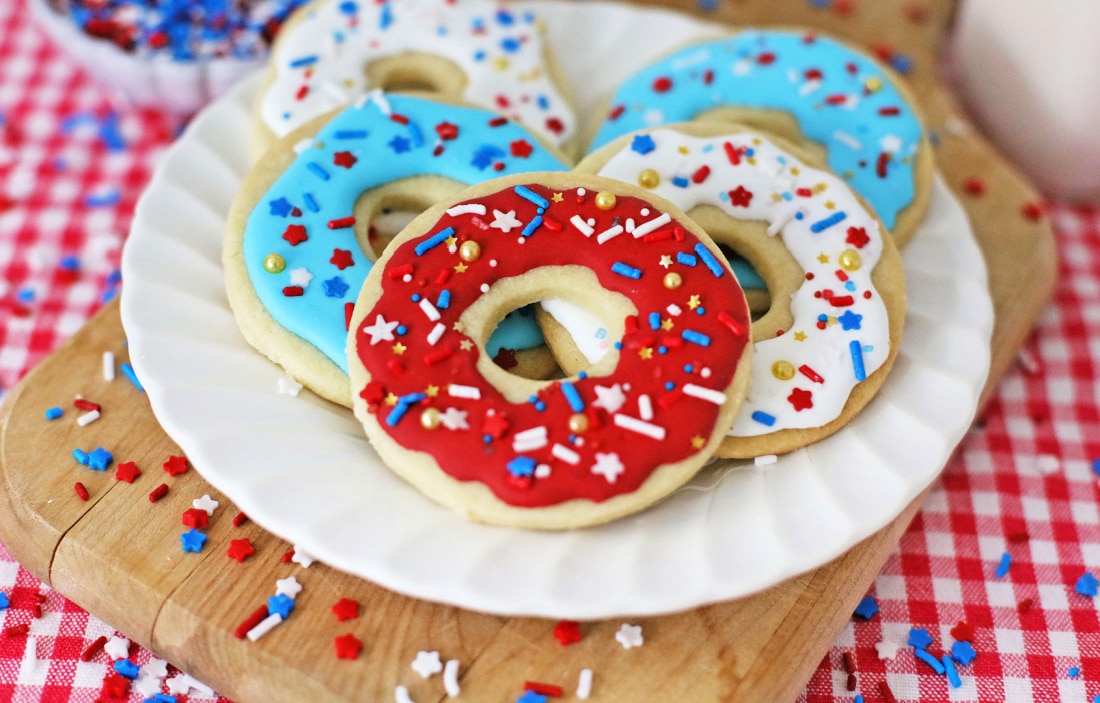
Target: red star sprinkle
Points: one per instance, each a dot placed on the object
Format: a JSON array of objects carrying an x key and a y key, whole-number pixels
[
  {"x": 127, "y": 471},
  {"x": 115, "y": 686},
  {"x": 801, "y": 399},
  {"x": 176, "y": 465},
  {"x": 240, "y": 549},
  {"x": 567, "y": 632},
  {"x": 521, "y": 148},
  {"x": 287, "y": 556},
  {"x": 446, "y": 130},
  {"x": 374, "y": 393},
  {"x": 346, "y": 609},
  {"x": 505, "y": 358},
  {"x": 341, "y": 259},
  {"x": 196, "y": 518},
  {"x": 740, "y": 197},
  {"x": 347, "y": 646},
  {"x": 495, "y": 424},
  {"x": 857, "y": 237},
  {"x": 344, "y": 158},
  {"x": 295, "y": 234},
  {"x": 962, "y": 632}
]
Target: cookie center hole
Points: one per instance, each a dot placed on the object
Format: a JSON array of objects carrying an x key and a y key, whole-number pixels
[
  {"x": 416, "y": 72},
  {"x": 517, "y": 346},
  {"x": 754, "y": 285}
]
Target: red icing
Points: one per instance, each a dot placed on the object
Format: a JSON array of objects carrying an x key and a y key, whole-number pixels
[{"x": 465, "y": 454}]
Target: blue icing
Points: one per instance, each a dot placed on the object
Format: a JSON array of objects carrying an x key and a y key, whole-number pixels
[
  {"x": 516, "y": 331},
  {"x": 746, "y": 274},
  {"x": 740, "y": 79},
  {"x": 318, "y": 314}
]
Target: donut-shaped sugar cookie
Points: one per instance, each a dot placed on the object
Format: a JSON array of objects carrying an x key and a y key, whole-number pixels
[
  {"x": 296, "y": 250},
  {"x": 838, "y": 97},
  {"x": 821, "y": 359},
  {"x": 479, "y": 51},
  {"x": 501, "y": 449}
]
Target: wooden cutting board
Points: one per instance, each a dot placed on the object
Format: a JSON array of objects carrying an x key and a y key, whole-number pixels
[{"x": 119, "y": 556}]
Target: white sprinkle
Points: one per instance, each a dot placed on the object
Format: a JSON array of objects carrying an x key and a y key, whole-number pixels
[
  {"x": 645, "y": 407},
  {"x": 640, "y": 426},
  {"x": 647, "y": 227},
  {"x": 766, "y": 459},
  {"x": 560, "y": 451},
  {"x": 848, "y": 140},
  {"x": 450, "y": 678},
  {"x": 674, "y": 310},
  {"x": 809, "y": 87},
  {"x": 581, "y": 191},
  {"x": 429, "y": 309},
  {"x": 609, "y": 233},
  {"x": 534, "y": 438},
  {"x": 206, "y": 504},
  {"x": 781, "y": 220},
  {"x": 302, "y": 557},
  {"x": 484, "y": 287},
  {"x": 456, "y": 391},
  {"x": 288, "y": 587},
  {"x": 436, "y": 333},
  {"x": 630, "y": 224},
  {"x": 539, "y": 431},
  {"x": 303, "y": 145},
  {"x": 401, "y": 695},
  {"x": 117, "y": 648},
  {"x": 379, "y": 98},
  {"x": 407, "y": 278},
  {"x": 108, "y": 366},
  {"x": 467, "y": 209},
  {"x": 288, "y": 386},
  {"x": 578, "y": 222},
  {"x": 87, "y": 418},
  {"x": 1027, "y": 361},
  {"x": 707, "y": 394},
  {"x": 542, "y": 471},
  {"x": 584, "y": 684},
  {"x": 265, "y": 626}
]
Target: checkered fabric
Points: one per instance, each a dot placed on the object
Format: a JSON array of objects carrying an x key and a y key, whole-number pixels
[{"x": 1022, "y": 483}]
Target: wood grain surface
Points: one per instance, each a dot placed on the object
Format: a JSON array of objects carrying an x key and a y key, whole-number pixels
[{"x": 119, "y": 556}]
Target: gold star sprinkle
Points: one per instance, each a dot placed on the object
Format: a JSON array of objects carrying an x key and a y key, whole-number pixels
[
  {"x": 557, "y": 197},
  {"x": 682, "y": 149},
  {"x": 451, "y": 241},
  {"x": 399, "y": 348},
  {"x": 391, "y": 400},
  {"x": 667, "y": 324},
  {"x": 698, "y": 442},
  {"x": 795, "y": 171},
  {"x": 693, "y": 302},
  {"x": 830, "y": 205},
  {"x": 820, "y": 188},
  {"x": 646, "y": 352},
  {"x": 431, "y": 391},
  {"x": 666, "y": 261},
  {"x": 461, "y": 268},
  {"x": 776, "y": 197},
  {"x": 465, "y": 345},
  {"x": 800, "y": 336},
  {"x": 823, "y": 258}
]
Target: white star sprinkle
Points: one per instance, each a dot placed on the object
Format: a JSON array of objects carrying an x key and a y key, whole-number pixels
[
  {"x": 288, "y": 587},
  {"x": 147, "y": 686},
  {"x": 629, "y": 636},
  {"x": 608, "y": 466},
  {"x": 887, "y": 649},
  {"x": 288, "y": 386},
  {"x": 205, "y": 503},
  {"x": 454, "y": 419},
  {"x": 302, "y": 557},
  {"x": 178, "y": 685},
  {"x": 300, "y": 277},
  {"x": 505, "y": 221},
  {"x": 427, "y": 663},
  {"x": 157, "y": 668},
  {"x": 117, "y": 648},
  {"x": 610, "y": 399},
  {"x": 381, "y": 331}
]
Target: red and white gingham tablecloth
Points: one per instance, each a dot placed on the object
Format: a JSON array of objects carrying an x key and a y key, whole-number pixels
[{"x": 1022, "y": 482}]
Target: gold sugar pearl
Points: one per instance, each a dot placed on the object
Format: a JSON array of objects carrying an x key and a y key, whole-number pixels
[
  {"x": 672, "y": 280},
  {"x": 873, "y": 85},
  {"x": 649, "y": 178},
  {"x": 605, "y": 201},
  {"x": 849, "y": 260},
  {"x": 469, "y": 251},
  {"x": 783, "y": 370},
  {"x": 273, "y": 263},
  {"x": 429, "y": 419},
  {"x": 578, "y": 424}
]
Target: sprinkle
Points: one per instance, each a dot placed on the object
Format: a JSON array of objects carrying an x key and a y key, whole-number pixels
[
  {"x": 342, "y": 222},
  {"x": 81, "y": 456},
  {"x": 528, "y": 194},
  {"x": 810, "y": 374},
  {"x": 571, "y": 395},
  {"x": 696, "y": 338},
  {"x": 450, "y": 678},
  {"x": 729, "y": 322},
  {"x": 429, "y": 309},
  {"x": 654, "y": 320},
  {"x": 822, "y": 225},
  {"x": 848, "y": 140},
  {"x": 686, "y": 259},
  {"x": 457, "y": 391},
  {"x": 886, "y": 693},
  {"x": 645, "y": 407},
  {"x": 1087, "y": 585},
  {"x": 560, "y": 451},
  {"x": 963, "y": 652},
  {"x": 709, "y": 260},
  {"x": 651, "y": 225},
  {"x": 578, "y": 222},
  {"x": 625, "y": 270},
  {"x": 437, "y": 333},
  {"x": 856, "y": 350},
  {"x": 866, "y": 608},
  {"x": 351, "y": 134},
  {"x": 521, "y": 466},
  {"x": 640, "y": 426},
  {"x": 311, "y": 203},
  {"x": 265, "y": 626},
  {"x": 531, "y": 226},
  {"x": 543, "y": 689},
  {"x": 763, "y": 418},
  {"x": 321, "y": 173},
  {"x": 609, "y": 234},
  {"x": 467, "y": 209},
  {"x": 928, "y": 659},
  {"x": 54, "y": 413},
  {"x": 765, "y": 460},
  {"x": 192, "y": 540},
  {"x": 434, "y": 241},
  {"x": 401, "y": 694},
  {"x": 81, "y": 404},
  {"x": 128, "y": 372},
  {"x": 108, "y": 366},
  {"x": 158, "y": 493},
  {"x": 93, "y": 649},
  {"x": 584, "y": 684},
  {"x": 528, "y": 440},
  {"x": 1002, "y": 568},
  {"x": 707, "y": 394},
  {"x": 81, "y": 490},
  {"x": 87, "y": 418}
]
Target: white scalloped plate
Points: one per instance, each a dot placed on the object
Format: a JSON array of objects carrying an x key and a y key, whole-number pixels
[{"x": 303, "y": 469}]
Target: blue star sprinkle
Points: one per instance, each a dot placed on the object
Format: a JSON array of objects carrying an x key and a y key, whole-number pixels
[
  {"x": 484, "y": 156},
  {"x": 919, "y": 638},
  {"x": 963, "y": 653},
  {"x": 849, "y": 320},
  {"x": 400, "y": 144},
  {"x": 1086, "y": 585},
  {"x": 643, "y": 144},
  {"x": 99, "y": 459},
  {"x": 193, "y": 540},
  {"x": 281, "y": 207},
  {"x": 866, "y": 608},
  {"x": 335, "y": 287},
  {"x": 281, "y": 604}
]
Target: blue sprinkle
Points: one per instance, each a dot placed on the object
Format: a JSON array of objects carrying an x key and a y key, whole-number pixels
[
  {"x": 582, "y": 375},
  {"x": 540, "y": 406},
  {"x": 963, "y": 653},
  {"x": 709, "y": 260},
  {"x": 280, "y": 604},
  {"x": 510, "y": 45},
  {"x": 857, "y": 699},
  {"x": 686, "y": 259},
  {"x": 901, "y": 63},
  {"x": 415, "y": 297},
  {"x": 571, "y": 395},
  {"x": 522, "y": 466},
  {"x": 401, "y": 330},
  {"x": 531, "y": 226},
  {"x": 1002, "y": 568},
  {"x": 444, "y": 300},
  {"x": 162, "y": 698},
  {"x": 822, "y": 225},
  {"x": 528, "y": 194},
  {"x": 412, "y": 398},
  {"x": 387, "y": 16},
  {"x": 669, "y": 385},
  {"x": 643, "y": 144},
  {"x": 54, "y": 413},
  {"x": 351, "y": 134},
  {"x": 127, "y": 669},
  {"x": 654, "y": 320},
  {"x": 114, "y": 278},
  {"x": 504, "y": 18},
  {"x": 763, "y": 418},
  {"x": 531, "y": 697},
  {"x": 700, "y": 311},
  {"x": 866, "y": 608},
  {"x": 434, "y": 241},
  {"x": 399, "y": 144},
  {"x": 335, "y": 287},
  {"x": 952, "y": 674},
  {"x": 70, "y": 263},
  {"x": 1073, "y": 672},
  {"x": 25, "y": 296},
  {"x": 280, "y": 207},
  {"x": 414, "y": 132},
  {"x": 316, "y": 170},
  {"x": 104, "y": 198},
  {"x": 109, "y": 133},
  {"x": 99, "y": 459},
  {"x": 624, "y": 270},
  {"x": 81, "y": 456},
  {"x": 857, "y": 360},
  {"x": 696, "y": 338},
  {"x": 662, "y": 350},
  {"x": 484, "y": 155},
  {"x": 128, "y": 372},
  {"x": 1096, "y": 466},
  {"x": 1087, "y": 585},
  {"x": 192, "y": 540},
  {"x": 919, "y": 637},
  {"x": 396, "y": 414},
  {"x": 311, "y": 203},
  {"x": 928, "y": 659},
  {"x": 688, "y": 368},
  {"x": 680, "y": 182},
  {"x": 850, "y": 321},
  {"x": 4, "y": 602},
  {"x": 304, "y": 61}
]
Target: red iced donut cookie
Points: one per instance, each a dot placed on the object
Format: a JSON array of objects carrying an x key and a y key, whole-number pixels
[{"x": 503, "y": 449}]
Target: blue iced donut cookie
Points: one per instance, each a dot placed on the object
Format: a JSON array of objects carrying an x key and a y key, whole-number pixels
[
  {"x": 296, "y": 251},
  {"x": 836, "y": 96}
]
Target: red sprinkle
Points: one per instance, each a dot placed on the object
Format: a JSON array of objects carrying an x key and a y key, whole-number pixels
[
  {"x": 810, "y": 374},
  {"x": 302, "y": 92},
  {"x": 1024, "y": 605},
  {"x": 543, "y": 689},
  {"x": 551, "y": 224},
  {"x": 158, "y": 493},
  {"x": 1032, "y": 211},
  {"x": 93, "y": 649},
  {"x": 498, "y": 121},
  {"x": 17, "y": 630},
  {"x": 398, "y": 271},
  {"x": 701, "y": 174},
  {"x": 239, "y": 519},
  {"x": 885, "y": 692},
  {"x": 617, "y": 112},
  {"x": 732, "y": 153},
  {"x": 349, "y": 308},
  {"x": 342, "y": 222},
  {"x": 889, "y": 111},
  {"x": 880, "y": 165},
  {"x": 81, "y": 490},
  {"x": 662, "y": 84},
  {"x": 567, "y": 632},
  {"x": 293, "y": 291},
  {"x": 836, "y": 99},
  {"x": 851, "y": 683},
  {"x": 666, "y": 400},
  {"x": 438, "y": 355},
  {"x": 82, "y": 404},
  {"x": 729, "y": 322},
  {"x": 36, "y": 611},
  {"x": 399, "y": 119},
  {"x": 250, "y": 622},
  {"x": 848, "y": 663},
  {"x": 286, "y": 557},
  {"x": 962, "y": 632},
  {"x": 766, "y": 59}
]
